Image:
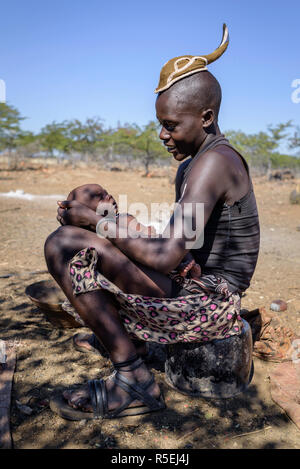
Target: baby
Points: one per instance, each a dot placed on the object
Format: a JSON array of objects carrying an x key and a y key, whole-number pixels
[
  {"x": 97, "y": 198},
  {"x": 91, "y": 195}
]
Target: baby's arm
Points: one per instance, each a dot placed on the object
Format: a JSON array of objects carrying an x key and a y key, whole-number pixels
[{"x": 127, "y": 220}]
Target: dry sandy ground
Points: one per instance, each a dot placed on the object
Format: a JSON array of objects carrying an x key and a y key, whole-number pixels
[{"x": 46, "y": 360}]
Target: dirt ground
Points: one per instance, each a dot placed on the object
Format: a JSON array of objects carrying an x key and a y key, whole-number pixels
[{"x": 47, "y": 362}]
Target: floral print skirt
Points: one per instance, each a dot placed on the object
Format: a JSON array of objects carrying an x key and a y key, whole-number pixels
[{"x": 200, "y": 315}]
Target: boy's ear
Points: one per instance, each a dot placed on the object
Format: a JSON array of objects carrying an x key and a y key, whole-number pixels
[{"x": 208, "y": 117}]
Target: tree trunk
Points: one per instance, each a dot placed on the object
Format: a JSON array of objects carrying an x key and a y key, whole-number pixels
[{"x": 146, "y": 164}]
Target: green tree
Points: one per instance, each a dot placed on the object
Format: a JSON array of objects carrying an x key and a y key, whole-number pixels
[
  {"x": 85, "y": 138},
  {"x": 54, "y": 138},
  {"x": 278, "y": 132},
  {"x": 28, "y": 144},
  {"x": 10, "y": 119},
  {"x": 150, "y": 146},
  {"x": 254, "y": 147},
  {"x": 258, "y": 148},
  {"x": 122, "y": 141},
  {"x": 142, "y": 142},
  {"x": 294, "y": 140}
]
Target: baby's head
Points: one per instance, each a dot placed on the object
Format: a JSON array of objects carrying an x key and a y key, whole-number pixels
[{"x": 91, "y": 195}]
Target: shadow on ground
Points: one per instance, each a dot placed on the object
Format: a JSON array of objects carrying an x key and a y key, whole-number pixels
[{"x": 47, "y": 363}]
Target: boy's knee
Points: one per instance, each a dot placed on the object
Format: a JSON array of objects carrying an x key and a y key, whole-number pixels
[
  {"x": 58, "y": 249},
  {"x": 57, "y": 240}
]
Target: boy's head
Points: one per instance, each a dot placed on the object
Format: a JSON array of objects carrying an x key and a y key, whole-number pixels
[
  {"x": 188, "y": 101},
  {"x": 188, "y": 111}
]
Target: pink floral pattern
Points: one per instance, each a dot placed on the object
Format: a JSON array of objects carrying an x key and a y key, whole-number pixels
[{"x": 200, "y": 316}]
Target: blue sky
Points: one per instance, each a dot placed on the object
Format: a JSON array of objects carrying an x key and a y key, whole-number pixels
[{"x": 76, "y": 59}]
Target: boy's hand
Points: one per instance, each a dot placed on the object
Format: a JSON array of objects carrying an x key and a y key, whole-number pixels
[
  {"x": 189, "y": 266},
  {"x": 74, "y": 213}
]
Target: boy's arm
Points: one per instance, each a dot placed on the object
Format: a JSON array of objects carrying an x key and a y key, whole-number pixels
[
  {"x": 206, "y": 185},
  {"x": 129, "y": 221}
]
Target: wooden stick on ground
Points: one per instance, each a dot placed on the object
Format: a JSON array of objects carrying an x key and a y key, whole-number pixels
[
  {"x": 187, "y": 435},
  {"x": 251, "y": 433},
  {"x": 6, "y": 377}
]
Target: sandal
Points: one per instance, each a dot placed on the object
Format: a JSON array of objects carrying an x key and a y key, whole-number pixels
[
  {"x": 99, "y": 398},
  {"x": 97, "y": 347}
]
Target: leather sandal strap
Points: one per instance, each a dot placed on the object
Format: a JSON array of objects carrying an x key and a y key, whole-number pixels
[
  {"x": 137, "y": 391},
  {"x": 95, "y": 342},
  {"x": 130, "y": 364},
  {"x": 101, "y": 383},
  {"x": 92, "y": 392},
  {"x": 132, "y": 396},
  {"x": 98, "y": 395}
]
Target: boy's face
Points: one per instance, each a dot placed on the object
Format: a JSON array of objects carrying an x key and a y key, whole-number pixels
[{"x": 182, "y": 129}]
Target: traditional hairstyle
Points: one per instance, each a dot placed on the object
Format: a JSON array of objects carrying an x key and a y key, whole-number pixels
[{"x": 181, "y": 67}]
